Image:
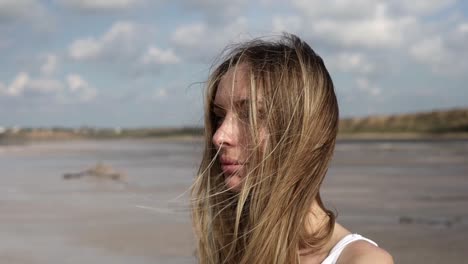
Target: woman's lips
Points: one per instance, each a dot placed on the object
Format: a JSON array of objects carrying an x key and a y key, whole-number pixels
[{"x": 231, "y": 168}]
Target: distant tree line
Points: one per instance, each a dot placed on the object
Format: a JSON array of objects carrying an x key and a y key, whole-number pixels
[{"x": 450, "y": 121}]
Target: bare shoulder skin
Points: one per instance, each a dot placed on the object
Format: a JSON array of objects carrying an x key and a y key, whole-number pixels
[
  {"x": 358, "y": 252},
  {"x": 363, "y": 252},
  {"x": 339, "y": 233}
]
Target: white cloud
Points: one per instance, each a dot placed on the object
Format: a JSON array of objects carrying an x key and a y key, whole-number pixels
[
  {"x": 125, "y": 45},
  {"x": 216, "y": 11},
  {"x": 359, "y": 9},
  {"x": 365, "y": 85},
  {"x": 444, "y": 52},
  {"x": 358, "y": 23},
  {"x": 395, "y": 28},
  {"x": 75, "y": 82},
  {"x": 155, "y": 55},
  {"x": 119, "y": 30},
  {"x": 81, "y": 88},
  {"x": 23, "y": 84},
  {"x": 379, "y": 30},
  {"x": 101, "y": 5},
  {"x": 430, "y": 50},
  {"x": 200, "y": 41},
  {"x": 17, "y": 86},
  {"x": 189, "y": 35},
  {"x": 423, "y": 6},
  {"x": 336, "y": 8},
  {"x": 50, "y": 65},
  {"x": 159, "y": 93},
  {"x": 291, "y": 24},
  {"x": 14, "y": 10},
  {"x": 463, "y": 28},
  {"x": 118, "y": 40},
  {"x": 83, "y": 49},
  {"x": 45, "y": 86},
  {"x": 351, "y": 62}
]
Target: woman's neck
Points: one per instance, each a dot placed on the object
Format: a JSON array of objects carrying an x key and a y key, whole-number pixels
[{"x": 317, "y": 220}]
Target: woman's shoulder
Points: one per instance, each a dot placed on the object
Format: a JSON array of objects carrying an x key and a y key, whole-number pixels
[{"x": 363, "y": 252}]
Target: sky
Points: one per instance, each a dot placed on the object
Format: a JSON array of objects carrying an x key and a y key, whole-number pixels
[{"x": 143, "y": 63}]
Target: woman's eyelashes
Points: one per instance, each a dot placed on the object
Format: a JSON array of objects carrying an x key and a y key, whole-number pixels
[
  {"x": 241, "y": 115},
  {"x": 218, "y": 118}
]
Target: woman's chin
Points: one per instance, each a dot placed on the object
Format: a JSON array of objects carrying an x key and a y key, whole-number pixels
[{"x": 233, "y": 182}]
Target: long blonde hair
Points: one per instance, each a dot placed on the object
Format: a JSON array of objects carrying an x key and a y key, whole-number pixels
[{"x": 265, "y": 222}]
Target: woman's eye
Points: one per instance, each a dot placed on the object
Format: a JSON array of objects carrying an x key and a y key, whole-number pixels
[
  {"x": 261, "y": 115},
  {"x": 243, "y": 115},
  {"x": 219, "y": 119}
]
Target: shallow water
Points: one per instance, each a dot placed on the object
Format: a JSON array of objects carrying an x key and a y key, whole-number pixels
[{"x": 409, "y": 196}]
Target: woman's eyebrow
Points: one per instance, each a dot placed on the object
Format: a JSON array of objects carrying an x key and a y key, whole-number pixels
[
  {"x": 242, "y": 102},
  {"x": 238, "y": 103},
  {"x": 215, "y": 105},
  {"x": 245, "y": 102}
]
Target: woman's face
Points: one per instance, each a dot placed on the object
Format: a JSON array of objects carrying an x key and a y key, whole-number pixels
[{"x": 231, "y": 108}]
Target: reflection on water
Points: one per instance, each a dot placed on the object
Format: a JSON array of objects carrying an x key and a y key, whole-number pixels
[{"x": 45, "y": 219}]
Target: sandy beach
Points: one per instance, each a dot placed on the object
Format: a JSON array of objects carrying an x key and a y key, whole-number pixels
[{"x": 409, "y": 196}]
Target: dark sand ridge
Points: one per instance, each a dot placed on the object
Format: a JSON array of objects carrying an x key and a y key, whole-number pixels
[{"x": 99, "y": 171}]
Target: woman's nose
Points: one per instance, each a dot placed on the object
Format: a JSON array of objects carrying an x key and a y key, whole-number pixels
[{"x": 225, "y": 133}]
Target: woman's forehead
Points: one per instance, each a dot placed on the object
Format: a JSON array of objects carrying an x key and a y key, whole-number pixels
[
  {"x": 234, "y": 85},
  {"x": 234, "y": 88}
]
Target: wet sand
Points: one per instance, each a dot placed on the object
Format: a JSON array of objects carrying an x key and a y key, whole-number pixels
[{"x": 410, "y": 197}]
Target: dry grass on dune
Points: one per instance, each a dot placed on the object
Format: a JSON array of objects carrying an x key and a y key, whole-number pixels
[{"x": 449, "y": 121}]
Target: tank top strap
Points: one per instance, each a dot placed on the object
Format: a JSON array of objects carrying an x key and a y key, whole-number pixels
[{"x": 335, "y": 252}]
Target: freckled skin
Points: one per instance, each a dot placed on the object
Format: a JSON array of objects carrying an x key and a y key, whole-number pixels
[{"x": 231, "y": 134}]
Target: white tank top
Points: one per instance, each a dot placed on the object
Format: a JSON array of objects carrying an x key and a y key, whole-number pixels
[{"x": 338, "y": 248}]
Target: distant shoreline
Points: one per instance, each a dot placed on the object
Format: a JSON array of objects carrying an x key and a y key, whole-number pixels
[
  {"x": 436, "y": 125},
  {"x": 402, "y": 136},
  {"x": 21, "y": 140}
]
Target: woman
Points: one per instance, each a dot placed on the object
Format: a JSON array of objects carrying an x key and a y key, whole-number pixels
[{"x": 271, "y": 120}]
